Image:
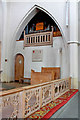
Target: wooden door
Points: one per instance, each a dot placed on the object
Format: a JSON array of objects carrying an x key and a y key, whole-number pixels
[{"x": 19, "y": 66}]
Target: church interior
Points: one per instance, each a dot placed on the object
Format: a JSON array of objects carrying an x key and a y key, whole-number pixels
[{"x": 39, "y": 59}]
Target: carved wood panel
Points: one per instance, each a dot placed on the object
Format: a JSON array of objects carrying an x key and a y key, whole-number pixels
[
  {"x": 32, "y": 100},
  {"x": 60, "y": 87},
  {"x": 46, "y": 94},
  {"x": 9, "y": 106}
]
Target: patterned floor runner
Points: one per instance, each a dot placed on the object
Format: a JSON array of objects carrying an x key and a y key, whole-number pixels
[{"x": 48, "y": 110}]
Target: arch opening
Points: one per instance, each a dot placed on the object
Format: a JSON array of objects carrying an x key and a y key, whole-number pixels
[
  {"x": 27, "y": 19},
  {"x": 56, "y": 60}
]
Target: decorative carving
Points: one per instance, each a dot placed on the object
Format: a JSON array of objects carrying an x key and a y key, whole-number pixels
[
  {"x": 32, "y": 100},
  {"x": 46, "y": 94},
  {"x": 16, "y": 105},
  {"x": 61, "y": 86},
  {"x": 10, "y": 106}
]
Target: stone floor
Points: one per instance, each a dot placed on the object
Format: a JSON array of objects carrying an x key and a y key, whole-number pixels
[
  {"x": 70, "y": 111},
  {"x": 11, "y": 85}
]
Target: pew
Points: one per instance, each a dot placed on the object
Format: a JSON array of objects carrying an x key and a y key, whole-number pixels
[
  {"x": 40, "y": 77},
  {"x": 54, "y": 70}
]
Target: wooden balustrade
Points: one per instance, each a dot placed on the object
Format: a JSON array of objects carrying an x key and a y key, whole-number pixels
[
  {"x": 42, "y": 38},
  {"x": 0, "y": 61},
  {"x": 22, "y": 102}
]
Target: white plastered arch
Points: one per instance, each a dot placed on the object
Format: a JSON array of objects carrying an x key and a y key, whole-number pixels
[{"x": 30, "y": 14}]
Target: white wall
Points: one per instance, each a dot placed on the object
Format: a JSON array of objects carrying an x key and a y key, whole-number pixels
[
  {"x": 0, "y": 21},
  {"x": 0, "y": 31},
  {"x": 73, "y": 43},
  {"x": 52, "y": 57},
  {"x": 79, "y": 68},
  {"x": 79, "y": 21},
  {"x": 79, "y": 46},
  {"x": 13, "y": 14},
  {"x": 79, "y": 62}
]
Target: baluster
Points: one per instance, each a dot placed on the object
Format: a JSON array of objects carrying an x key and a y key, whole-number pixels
[
  {"x": 45, "y": 38},
  {"x": 23, "y": 105},
  {"x": 41, "y": 97},
  {"x": 40, "y": 38},
  {"x": 35, "y": 39},
  {"x": 30, "y": 39},
  {"x": 53, "y": 91}
]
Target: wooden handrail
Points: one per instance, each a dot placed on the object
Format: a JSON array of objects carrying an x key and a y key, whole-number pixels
[
  {"x": 41, "y": 33},
  {"x": 15, "y": 90}
]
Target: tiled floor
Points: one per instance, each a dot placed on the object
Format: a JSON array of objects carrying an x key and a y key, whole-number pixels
[{"x": 69, "y": 110}]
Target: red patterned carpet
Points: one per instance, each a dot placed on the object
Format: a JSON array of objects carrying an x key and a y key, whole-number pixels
[{"x": 48, "y": 110}]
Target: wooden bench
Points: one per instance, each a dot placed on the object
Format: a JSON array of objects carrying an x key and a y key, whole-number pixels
[{"x": 39, "y": 77}]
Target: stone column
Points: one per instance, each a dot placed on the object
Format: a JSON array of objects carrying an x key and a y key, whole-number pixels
[{"x": 73, "y": 43}]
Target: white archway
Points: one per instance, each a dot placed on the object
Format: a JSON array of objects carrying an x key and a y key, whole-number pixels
[
  {"x": 25, "y": 20},
  {"x": 30, "y": 14}
]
